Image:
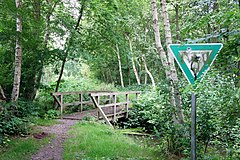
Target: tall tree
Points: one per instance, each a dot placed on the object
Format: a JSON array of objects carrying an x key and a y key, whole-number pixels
[
  {"x": 133, "y": 60},
  {"x": 18, "y": 54},
  {"x": 66, "y": 52},
  {"x": 119, "y": 65},
  {"x": 148, "y": 72},
  {"x": 167, "y": 58}
]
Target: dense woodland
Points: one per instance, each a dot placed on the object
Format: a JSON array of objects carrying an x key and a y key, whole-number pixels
[{"x": 74, "y": 45}]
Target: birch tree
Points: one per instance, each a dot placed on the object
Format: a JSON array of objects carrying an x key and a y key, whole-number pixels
[
  {"x": 148, "y": 73},
  {"x": 133, "y": 60},
  {"x": 119, "y": 65},
  {"x": 167, "y": 58},
  {"x": 18, "y": 55}
]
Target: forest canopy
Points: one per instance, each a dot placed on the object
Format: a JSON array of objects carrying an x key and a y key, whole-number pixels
[{"x": 67, "y": 45}]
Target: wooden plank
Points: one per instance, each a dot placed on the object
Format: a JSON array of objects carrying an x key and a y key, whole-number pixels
[
  {"x": 68, "y": 93},
  {"x": 110, "y": 116},
  {"x": 56, "y": 98},
  {"x": 114, "y": 93},
  {"x": 112, "y": 104},
  {"x": 77, "y": 103},
  {"x": 117, "y": 114},
  {"x": 101, "y": 111},
  {"x": 81, "y": 92}
]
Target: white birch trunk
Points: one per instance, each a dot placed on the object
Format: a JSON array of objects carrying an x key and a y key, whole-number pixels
[
  {"x": 133, "y": 62},
  {"x": 18, "y": 55},
  {"x": 2, "y": 95},
  {"x": 168, "y": 62},
  {"x": 176, "y": 99},
  {"x": 119, "y": 65},
  {"x": 146, "y": 79},
  {"x": 160, "y": 49},
  {"x": 148, "y": 72},
  {"x": 168, "y": 36}
]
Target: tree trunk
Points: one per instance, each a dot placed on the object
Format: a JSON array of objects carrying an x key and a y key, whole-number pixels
[
  {"x": 119, "y": 65},
  {"x": 146, "y": 78},
  {"x": 66, "y": 53},
  {"x": 160, "y": 50},
  {"x": 148, "y": 72},
  {"x": 177, "y": 23},
  {"x": 51, "y": 9},
  {"x": 32, "y": 85},
  {"x": 168, "y": 62},
  {"x": 67, "y": 50},
  {"x": 129, "y": 73},
  {"x": 18, "y": 55},
  {"x": 176, "y": 99},
  {"x": 133, "y": 62},
  {"x": 2, "y": 95}
]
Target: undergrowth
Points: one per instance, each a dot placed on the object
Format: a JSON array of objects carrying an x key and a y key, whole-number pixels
[{"x": 92, "y": 140}]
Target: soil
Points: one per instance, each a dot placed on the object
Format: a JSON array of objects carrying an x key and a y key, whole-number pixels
[{"x": 54, "y": 150}]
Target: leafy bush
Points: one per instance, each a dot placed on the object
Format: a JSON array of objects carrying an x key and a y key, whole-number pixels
[
  {"x": 52, "y": 114},
  {"x": 218, "y": 102},
  {"x": 153, "y": 112},
  {"x": 218, "y": 116},
  {"x": 15, "y": 119}
]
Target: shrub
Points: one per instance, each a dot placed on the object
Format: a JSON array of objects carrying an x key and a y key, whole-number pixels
[
  {"x": 15, "y": 119},
  {"x": 218, "y": 113},
  {"x": 52, "y": 114}
]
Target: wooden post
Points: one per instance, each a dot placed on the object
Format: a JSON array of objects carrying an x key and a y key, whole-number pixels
[
  {"x": 81, "y": 100},
  {"x": 114, "y": 107},
  {"x": 61, "y": 104},
  {"x": 98, "y": 100},
  {"x": 127, "y": 105},
  {"x": 109, "y": 99},
  {"x": 137, "y": 96}
]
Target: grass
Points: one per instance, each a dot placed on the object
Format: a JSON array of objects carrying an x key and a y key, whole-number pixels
[
  {"x": 22, "y": 148},
  {"x": 97, "y": 141},
  {"x": 46, "y": 122}
]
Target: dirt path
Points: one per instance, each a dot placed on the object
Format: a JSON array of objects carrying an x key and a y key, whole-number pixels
[{"x": 54, "y": 150}]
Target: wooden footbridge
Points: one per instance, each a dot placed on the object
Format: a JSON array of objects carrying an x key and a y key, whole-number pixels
[{"x": 108, "y": 105}]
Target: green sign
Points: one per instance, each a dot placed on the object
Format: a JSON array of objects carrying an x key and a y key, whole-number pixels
[{"x": 195, "y": 59}]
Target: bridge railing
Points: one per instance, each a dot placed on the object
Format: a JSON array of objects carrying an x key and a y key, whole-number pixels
[
  {"x": 61, "y": 99},
  {"x": 115, "y": 107}
]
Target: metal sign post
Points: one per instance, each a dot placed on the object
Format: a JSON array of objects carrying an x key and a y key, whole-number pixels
[
  {"x": 193, "y": 122},
  {"x": 194, "y": 60},
  {"x": 193, "y": 128}
]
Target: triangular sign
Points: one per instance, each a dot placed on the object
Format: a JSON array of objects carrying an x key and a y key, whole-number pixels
[{"x": 195, "y": 59}]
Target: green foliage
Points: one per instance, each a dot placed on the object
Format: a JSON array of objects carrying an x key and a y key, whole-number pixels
[
  {"x": 52, "y": 114},
  {"x": 15, "y": 119},
  {"x": 217, "y": 116},
  {"x": 154, "y": 113},
  {"x": 218, "y": 113}
]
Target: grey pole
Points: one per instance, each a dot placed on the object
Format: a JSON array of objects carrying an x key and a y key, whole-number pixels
[{"x": 193, "y": 128}]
